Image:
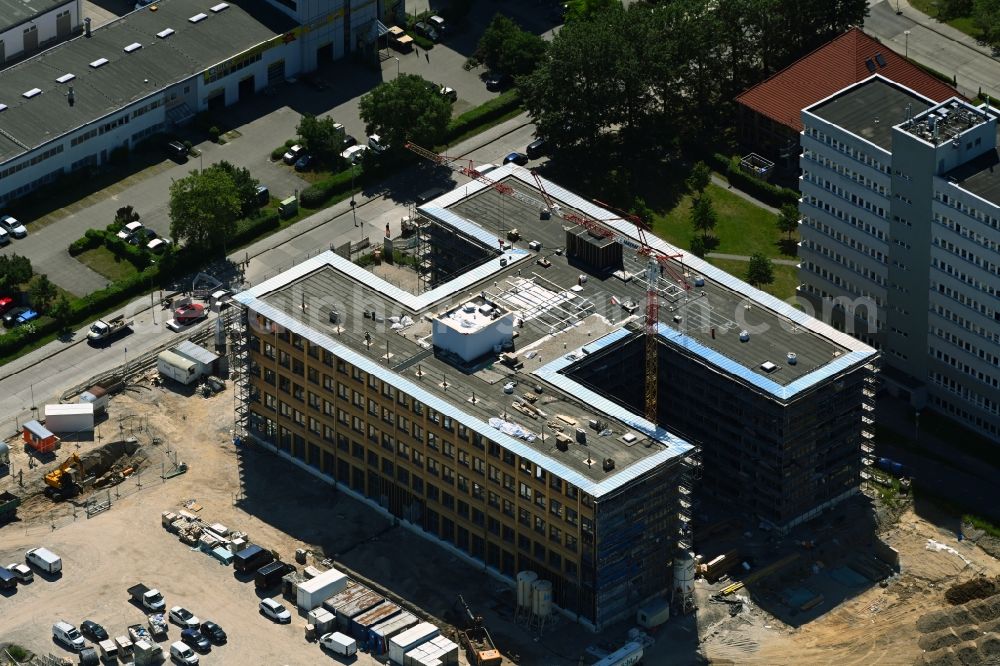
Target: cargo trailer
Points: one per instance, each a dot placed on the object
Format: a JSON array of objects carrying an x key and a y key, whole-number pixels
[
  {"x": 413, "y": 637},
  {"x": 313, "y": 592},
  {"x": 362, "y": 601}
]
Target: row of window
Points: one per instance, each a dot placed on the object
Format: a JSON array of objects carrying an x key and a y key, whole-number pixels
[
  {"x": 842, "y": 170},
  {"x": 860, "y": 269},
  {"x": 991, "y": 334},
  {"x": 967, "y": 395},
  {"x": 991, "y": 378},
  {"x": 224, "y": 70},
  {"x": 970, "y": 256},
  {"x": 946, "y": 267},
  {"x": 974, "y": 213},
  {"x": 846, "y": 149},
  {"x": 846, "y": 239},
  {"x": 837, "y": 190},
  {"x": 958, "y": 411},
  {"x": 834, "y": 277},
  {"x": 40, "y": 157},
  {"x": 853, "y": 220}
]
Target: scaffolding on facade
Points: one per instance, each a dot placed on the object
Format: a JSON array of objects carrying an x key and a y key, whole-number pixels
[{"x": 239, "y": 367}]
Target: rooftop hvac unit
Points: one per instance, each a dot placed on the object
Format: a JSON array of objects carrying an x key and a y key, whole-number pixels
[
  {"x": 562, "y": 442},
  {"x": 609, "y": 464}
]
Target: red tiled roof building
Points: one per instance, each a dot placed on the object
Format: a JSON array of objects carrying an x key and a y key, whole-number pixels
[{"x": 770, "y": 112}]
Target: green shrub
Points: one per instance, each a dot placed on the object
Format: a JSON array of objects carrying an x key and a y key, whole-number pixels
[
  {"x": 482, "y": 114},
  {"x": 92, "y": 239},
  {"x": 421, "y": 41},
  {"x": 214, "y": 132},
  {"x": 319, "y": 193},
  {"x": 251, "y": 229},
  {"x": 772, "y": 195},
  {"x": 278, "y": 153}
]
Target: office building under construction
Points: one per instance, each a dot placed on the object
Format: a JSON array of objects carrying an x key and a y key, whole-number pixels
[{"x": 498, "y": 408}]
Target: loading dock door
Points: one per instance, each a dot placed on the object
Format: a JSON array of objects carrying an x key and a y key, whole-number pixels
[
  {"x": 247, "y": 88},
  {"x": 217, "y": 101},
  {"x": 324, "y": 55},
  {"x": 276, "y": 73}
]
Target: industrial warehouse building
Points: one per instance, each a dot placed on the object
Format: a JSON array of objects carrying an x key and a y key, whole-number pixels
[
  {"x": 496, "y": 406},
  {"x": 151, "y": 71},
  {"x": 901, "y": 231},
  {"x": 29, "y": 25}
]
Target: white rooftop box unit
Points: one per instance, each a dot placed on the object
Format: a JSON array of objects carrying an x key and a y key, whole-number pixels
[
  {"x": 402, "y": 643},
  {"x": 314, "y": 591},
  {"x": 75, "y": 417},
  {"x": 474, "y": 330}
]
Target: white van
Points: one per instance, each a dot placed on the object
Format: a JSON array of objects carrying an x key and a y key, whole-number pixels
[
  {"x": 68, "y": 635},
  {"x": 339, "y": 643},
  {"x": 43, "y": 559},
  {"x": 181, "y": 653}
]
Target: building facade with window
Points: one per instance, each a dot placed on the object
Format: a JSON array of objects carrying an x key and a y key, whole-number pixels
[
  {"x": 74, "y": 105},
  {"x": 27, "y": 27},
  {"x": 901, "y": 235}
]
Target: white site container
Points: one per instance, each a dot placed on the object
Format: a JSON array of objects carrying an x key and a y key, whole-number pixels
[
  {"x": 69, "y": 418},
  {"x": 313, "y": 592},
  {"x": 402, "y": 643}
]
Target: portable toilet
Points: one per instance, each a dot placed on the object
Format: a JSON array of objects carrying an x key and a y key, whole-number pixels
[{"x": 288, "y": 207}]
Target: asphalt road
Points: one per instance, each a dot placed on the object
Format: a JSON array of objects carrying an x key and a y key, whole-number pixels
[{"x": 936, "y": 45}]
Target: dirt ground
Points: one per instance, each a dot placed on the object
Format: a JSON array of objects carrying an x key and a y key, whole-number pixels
[{"x": 284, "y": 509}]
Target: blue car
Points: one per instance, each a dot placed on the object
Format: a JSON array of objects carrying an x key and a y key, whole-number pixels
[
  {"x": 27, "y": 316},
  {"x": 196, "y": 639},
  {"x": 303, "y": 163},
  {"x": 517, "y": 158}
]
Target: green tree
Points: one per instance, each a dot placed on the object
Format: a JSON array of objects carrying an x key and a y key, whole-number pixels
[
  {"x": 15, "y": 270},
  {"x": 41, "y": 291},
  {"x": 506, "y": 47},
  {"x": 406, "y": 108},
  {"x": 577, "y": 10},
  {"x": 124, "y": 215},
  {"x": 246, "y": 186},
  {"x": 204, "y": 208},
  {"x": 699, "y": 178},
  {"x": 703, "y": 215},
  {"x": 949, "y": 9},
  {"x": 986, "y": 16},
  {"x": 698, "y": 247},
  {"x": 788, "y": 220},
  {"x": 322, "y": 137},
  {"x": 760, "y": 270},
  {"x": 61, "y": 312}
]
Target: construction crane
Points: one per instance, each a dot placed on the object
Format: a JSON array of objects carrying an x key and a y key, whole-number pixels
[
  {"x": 67, "y": 479},
  {"x": 658, "y": 261}
]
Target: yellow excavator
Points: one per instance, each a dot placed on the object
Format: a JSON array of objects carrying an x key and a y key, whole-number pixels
[{"x": 67, "y": 479}]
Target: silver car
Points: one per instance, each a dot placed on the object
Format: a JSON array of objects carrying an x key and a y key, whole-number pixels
[{"x": 10, "y": 224}]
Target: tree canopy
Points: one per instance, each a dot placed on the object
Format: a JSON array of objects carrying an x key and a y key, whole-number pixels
[
  {"x": 14, "y": 270},
  {"x": 204, "y": 208},
  {"x": 246, "y": 186},
  {"x": 322, "y": 137},
  {"x": 788, "y": 220},
  {"x": 41, "y": 291},
  {"x": 508, "y": 48},
  {"x": 760, "y": 270},
  {"x": 406, "y": 108}
]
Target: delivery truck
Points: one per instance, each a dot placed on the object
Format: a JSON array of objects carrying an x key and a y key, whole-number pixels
[
  {"x": 148, "y": 598},
  {"x": 104, "y": 331}
]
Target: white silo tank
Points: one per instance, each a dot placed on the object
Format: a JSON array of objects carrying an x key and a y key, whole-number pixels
[
  {"x": 684, "y": 568},
  {"x": 541, "y": 601},
  {"x": 524, "y": 581}
]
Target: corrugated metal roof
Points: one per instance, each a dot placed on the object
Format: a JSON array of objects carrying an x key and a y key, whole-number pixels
[
  {"x": 176, "y": 360},
  {"x": 195, "y": 352},
  {"x": 37, "y": 429},
  {"x": 832, "y": 67},
  {"x": 363, "y": 363}
]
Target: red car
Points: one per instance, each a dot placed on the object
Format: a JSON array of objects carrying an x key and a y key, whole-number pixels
[
  {"x": 189, "y": 313},
  {"x": 6, "y": 303}
]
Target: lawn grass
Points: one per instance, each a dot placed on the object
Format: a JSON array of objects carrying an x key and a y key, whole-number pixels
[
  {"x": 785, "y": 277},
  {"x": 743, "y": 228},
  {"x": 103, "y": 262},
  {"x": 963, "y": 23}
]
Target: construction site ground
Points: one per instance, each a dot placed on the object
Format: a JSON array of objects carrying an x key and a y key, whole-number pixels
[{"x": 283, "y": 508}]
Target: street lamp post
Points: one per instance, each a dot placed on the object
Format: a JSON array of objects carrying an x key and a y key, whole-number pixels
[
  {"x": 898, "y": 10},
  {"x": 906, "y": 43},
  {"x": 354, "y": 210},
  {"x": 397, "y": 66}
]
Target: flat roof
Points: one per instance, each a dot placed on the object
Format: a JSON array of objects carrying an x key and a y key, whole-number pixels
[
  {"x": 14, "y": 12},
  {"x": 870, "y": 109},
  {"x": 192, "y": 48},
  {"x": 561, "y": 316},
  {"x": 980, "y": 176}
]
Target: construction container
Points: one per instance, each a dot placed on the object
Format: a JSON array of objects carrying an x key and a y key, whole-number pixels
[
  {"x": 322, "y": 619},
  {"x": 39, "y": 437},
  {"x": 379, "y": 635},
  {"x": 207, "y": 362},
  {"x": 96, "y": 396},
  {"x": 176, "y": 367},
  {"x": 438, "y": 650},
  {"x": 252, "y": 558},
  {"x": 290, "y": 585},
  {"x": 402, "y": 643},
  {"x": 342, "y": 597},
  {"x": 361, "y": 602},
  {"x": 223, "y": 554},
  {"x": 630, "y": 653},
  {"x": 312, "y": 592},
  {"x": 653, "y": 614},
  {"x": 363, "y": 622}
]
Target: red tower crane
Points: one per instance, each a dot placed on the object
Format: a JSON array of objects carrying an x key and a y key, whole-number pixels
[{"x": 658, "y": 261}]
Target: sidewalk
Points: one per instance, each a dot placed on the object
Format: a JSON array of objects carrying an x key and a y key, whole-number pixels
[{"x": 943, "y": 29}]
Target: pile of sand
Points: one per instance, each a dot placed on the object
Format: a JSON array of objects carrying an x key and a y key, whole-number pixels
[
  {"x": 966, "y": 635},
  {"x": 979, "y": 587}
]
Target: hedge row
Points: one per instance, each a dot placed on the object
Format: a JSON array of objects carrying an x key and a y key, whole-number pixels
[
  {"x": 772, "y": 195},
  {"x": 489, "y": 111},
  {"x": 252, "y": 228},
  {"x": 319, "y": 193},
  {"x": 94, "y": 238}
]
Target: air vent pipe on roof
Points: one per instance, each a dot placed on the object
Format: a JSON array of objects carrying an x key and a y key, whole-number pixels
[
  {"x": 744, "y": 336},
  {"x": 86, "y": 27},
  {"x": 792, "y": 358}
]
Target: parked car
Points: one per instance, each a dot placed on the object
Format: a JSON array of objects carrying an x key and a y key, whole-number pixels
[
  {"x": 195, "y": 639},
  {"x": 6, "y": 303},
  {"x": 158, "y": 245},
  {"x": 22, "y": 571},
  {"x": 262, "y": 194},
  {"x": 497, "y": 81},
  {"x": 129, "y": 230},
  {"x": 354, "y": 154},
  {"x": 93, "y": 631},
  {"x": 177, "y": 150},
  {"x": 213, "y": 632},
  {"x": 427, "y": 31},
  {"x": 348, "y": 141},
  {"x": 182, "y": 654},
  {"x": 68, "y": 635},
  {"x": 536, "y": 148},
  {"x": 184, "y": 617},
  {"x": 449, "y": 94},
  {"x": 516, "y": 158},
  {"x": 375, "y": 143},
  {"x": 10, "y": 224},
  {"x": 292, "y": 154},
  {"x": 13, "y": 316},
  {"x": 304, "y": 162},
  {"x": 275, "y": 611},
  {"x": 438, "y": 24},
  {"x": 428, "y": 195},
  {"x": 4, "y": 237}
]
